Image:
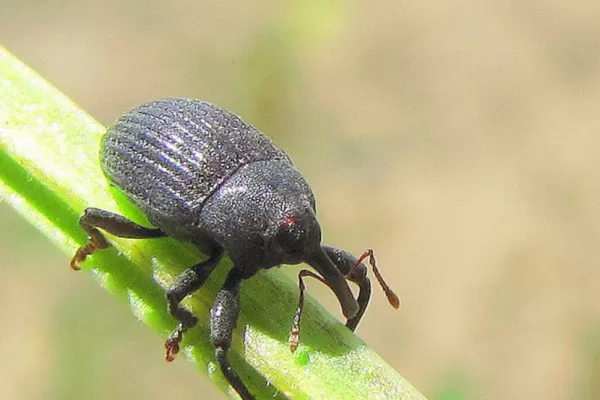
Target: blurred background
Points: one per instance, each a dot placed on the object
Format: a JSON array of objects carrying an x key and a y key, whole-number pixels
[{"x": 459, "y": 140}]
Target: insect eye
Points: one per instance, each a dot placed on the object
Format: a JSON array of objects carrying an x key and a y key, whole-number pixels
[
  {"x": 291, "y": 235},
  {"x": 289, "y": 221}
]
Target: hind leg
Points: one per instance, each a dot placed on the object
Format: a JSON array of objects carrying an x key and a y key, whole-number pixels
[{"x": 94, "y": 219}]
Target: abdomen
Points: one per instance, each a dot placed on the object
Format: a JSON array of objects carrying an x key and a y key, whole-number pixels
[{"x": 168, "y": 156}]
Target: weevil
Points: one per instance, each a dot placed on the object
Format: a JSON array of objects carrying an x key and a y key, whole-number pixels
[{"x": 202, "y": 175}]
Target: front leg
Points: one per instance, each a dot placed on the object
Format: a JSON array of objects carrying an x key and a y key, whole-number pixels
[
  {"x": 355, "y": 271},
  {"x": 294, "y": 339}
]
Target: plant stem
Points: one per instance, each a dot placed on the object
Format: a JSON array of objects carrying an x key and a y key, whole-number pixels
[{"x": 49, "y": 172}]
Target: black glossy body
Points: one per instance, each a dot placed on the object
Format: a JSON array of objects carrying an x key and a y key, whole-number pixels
[
  {"x": 170, "y": 156},
  {"x": 201, "y": 174}
]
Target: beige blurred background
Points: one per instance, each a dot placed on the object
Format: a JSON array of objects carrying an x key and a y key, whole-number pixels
[{"x": 460, "y": 140}]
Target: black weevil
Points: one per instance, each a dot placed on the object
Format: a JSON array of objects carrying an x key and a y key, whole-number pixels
[{"x": 202, "y": 175}]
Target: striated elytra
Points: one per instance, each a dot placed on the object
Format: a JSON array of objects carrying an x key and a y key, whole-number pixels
[{"x": 203, "y": 175}]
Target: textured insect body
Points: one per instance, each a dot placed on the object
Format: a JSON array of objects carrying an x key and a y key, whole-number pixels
[
  {"x": 201, "y": 174},
  {"x": 248, "y": 215},
  {"x": 171, "y": 155}
]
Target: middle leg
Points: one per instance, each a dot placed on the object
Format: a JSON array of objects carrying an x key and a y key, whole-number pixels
[
  {"x": 187, "y": 283},
  {"x": 224, "y": 316}
]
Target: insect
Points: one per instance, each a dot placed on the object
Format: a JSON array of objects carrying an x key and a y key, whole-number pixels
[{"x": 203, "y": 175}]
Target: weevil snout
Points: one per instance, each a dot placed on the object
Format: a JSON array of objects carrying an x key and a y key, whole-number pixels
[{"x": 335, "y": 280}]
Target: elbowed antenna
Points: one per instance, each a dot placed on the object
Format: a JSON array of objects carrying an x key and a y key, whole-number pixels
[{"x": 336, "y": 281}]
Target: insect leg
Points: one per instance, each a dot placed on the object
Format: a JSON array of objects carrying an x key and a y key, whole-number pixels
[
  {"x": 187, "y": 283},
  {"x": 224, "y": 315},
  {"x": 355, "y": 271},
  {"x": 94, "y": 219},
  {"x": 294, "y": 339}
]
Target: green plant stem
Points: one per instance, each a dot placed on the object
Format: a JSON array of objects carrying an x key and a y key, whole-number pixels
[{"x": 49, "y": 173}]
